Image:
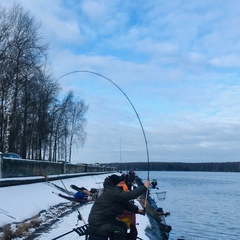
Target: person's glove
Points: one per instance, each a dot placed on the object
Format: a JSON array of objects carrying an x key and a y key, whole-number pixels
[{"x": 141, "y": 212}]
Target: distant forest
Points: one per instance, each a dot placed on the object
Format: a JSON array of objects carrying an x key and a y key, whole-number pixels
[{"x": 179, "y": 166}]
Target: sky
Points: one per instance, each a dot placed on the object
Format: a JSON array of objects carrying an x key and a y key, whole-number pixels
[
  {"x": 28, "y": 207},
  {"x": 176, "y": 61}
]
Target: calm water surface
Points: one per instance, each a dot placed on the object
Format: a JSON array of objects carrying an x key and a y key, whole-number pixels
[{"x": 203, "y": 205}]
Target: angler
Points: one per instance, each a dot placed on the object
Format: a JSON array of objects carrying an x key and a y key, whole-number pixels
[{"x": 111, "y": 203}]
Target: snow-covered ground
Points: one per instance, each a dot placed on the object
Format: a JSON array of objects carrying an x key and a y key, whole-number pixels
[{"x": 18, "y": 203}]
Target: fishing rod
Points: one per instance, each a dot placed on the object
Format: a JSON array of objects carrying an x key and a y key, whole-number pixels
[
  {"x": 63, "y": 189},
  {"x": 2, "y": 211},
  {"x": 100, "y": 75},
  {"x": 121, "y": 148},
  {"x": 80, "y": 218},
  {"x": 64, "y": 186},
  {"x": 121, "y": 153}
]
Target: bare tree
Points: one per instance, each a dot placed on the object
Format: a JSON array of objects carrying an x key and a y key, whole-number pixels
[
  {"x": 34, "y": 122},
  {"x": 22, "y": 53},
  {"x": 77, "y": 134}
]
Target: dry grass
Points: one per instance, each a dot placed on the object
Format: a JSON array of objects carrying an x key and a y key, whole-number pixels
[{"x": 20, "y": 229}]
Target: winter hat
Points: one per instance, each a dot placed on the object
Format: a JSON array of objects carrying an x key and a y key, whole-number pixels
[{"x": 115, "y": 179}]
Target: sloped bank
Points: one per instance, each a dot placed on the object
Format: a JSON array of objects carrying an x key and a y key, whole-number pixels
[
  {"x": 156, "y": 216},
  {"x": 28, "y": 209},
  {"x": 47, "y": 224}
]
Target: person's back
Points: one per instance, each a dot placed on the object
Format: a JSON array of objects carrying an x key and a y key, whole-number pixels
[{"x": 112, "y": 202}]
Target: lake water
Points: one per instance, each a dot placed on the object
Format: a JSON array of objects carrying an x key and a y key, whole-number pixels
[{"x": 203, "y": 205}]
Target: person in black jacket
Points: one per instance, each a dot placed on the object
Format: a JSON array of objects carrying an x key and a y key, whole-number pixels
[{"x": 113, "y": 200}]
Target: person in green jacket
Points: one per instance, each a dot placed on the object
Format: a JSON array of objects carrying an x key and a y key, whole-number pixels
[{"x": 113, "y": 200}]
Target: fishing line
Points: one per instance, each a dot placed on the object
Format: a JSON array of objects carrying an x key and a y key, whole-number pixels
[{"x": 144, "y": 135}]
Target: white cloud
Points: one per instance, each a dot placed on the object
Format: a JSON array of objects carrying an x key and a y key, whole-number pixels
[
  {"x": 227, "y": 61},
  {"x": 176, "y": 60}
]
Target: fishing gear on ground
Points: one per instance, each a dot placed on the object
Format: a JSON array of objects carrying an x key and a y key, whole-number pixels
[{"x": 81, "y": 231}]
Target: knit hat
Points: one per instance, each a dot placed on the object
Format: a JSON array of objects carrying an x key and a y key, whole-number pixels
[{"x": 115, "y": 179}]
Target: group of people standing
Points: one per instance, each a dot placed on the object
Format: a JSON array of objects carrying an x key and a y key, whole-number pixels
[{"x": 115, "y": 198}]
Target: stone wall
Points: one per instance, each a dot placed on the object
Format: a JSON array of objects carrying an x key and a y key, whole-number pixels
[{"x": 10, "y": 168}]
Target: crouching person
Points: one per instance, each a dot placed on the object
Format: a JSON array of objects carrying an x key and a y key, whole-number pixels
[{"x": 113, "y": 200}]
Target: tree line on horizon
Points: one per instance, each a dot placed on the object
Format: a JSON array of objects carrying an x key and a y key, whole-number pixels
[
  {"x": 36, "y": 121},
  {"x": 178, "y": 166}
]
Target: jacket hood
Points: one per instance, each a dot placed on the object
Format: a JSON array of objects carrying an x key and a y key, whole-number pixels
[{"x": 108, "y": 183}]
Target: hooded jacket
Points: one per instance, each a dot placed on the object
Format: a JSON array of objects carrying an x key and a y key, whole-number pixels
[{"x": 112, "y": 202}]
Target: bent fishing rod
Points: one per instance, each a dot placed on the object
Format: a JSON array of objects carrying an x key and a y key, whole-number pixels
[{"x": 134, "y": 109}]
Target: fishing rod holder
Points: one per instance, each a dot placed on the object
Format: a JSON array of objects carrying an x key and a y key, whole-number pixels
[{"x": 81, "y": 231}]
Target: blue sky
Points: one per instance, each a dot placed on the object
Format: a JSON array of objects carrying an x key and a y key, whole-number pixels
[{"x": 178, "y": 62}]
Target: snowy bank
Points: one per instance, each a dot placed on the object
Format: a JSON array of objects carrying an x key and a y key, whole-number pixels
[{"x": 18, "y": 203}]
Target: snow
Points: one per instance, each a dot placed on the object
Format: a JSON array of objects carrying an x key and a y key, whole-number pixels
[{"x": 18, "y": 203}]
